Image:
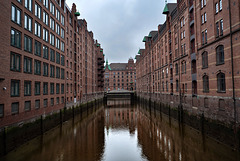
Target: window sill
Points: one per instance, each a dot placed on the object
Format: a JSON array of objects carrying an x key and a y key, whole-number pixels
[
  {"x": 220, "y": 64},
  {"x": 221, "y": 91}
]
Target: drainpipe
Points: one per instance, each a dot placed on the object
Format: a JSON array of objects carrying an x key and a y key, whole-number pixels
[{"x": 233, "y": 83}]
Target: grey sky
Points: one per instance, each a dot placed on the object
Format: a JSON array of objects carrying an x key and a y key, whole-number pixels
[{"x": 120, "y": 25}]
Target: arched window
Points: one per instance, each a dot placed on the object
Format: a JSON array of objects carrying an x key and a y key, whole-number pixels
[
  {"x": 220, "y": 54},
  {"x": 221, "y": 84},
  {"x": 205, "y": 59},
  {"x": 184, "y": 67},
  {"x": 177, "y": 85},
  {"x": 205, "y": 83},
  {"x": 176, "y": 66}
]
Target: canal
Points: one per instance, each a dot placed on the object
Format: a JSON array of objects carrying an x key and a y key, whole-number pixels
[{"x": 122, "y": 133}]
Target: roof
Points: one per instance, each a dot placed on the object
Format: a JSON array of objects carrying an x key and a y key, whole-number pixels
[
  {"x": 169, "y": 7},
  {"x": 118, "y": 66}
]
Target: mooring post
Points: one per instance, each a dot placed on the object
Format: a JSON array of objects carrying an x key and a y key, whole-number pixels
[
  {"x": 41, "y": 124},
  {"x": 5, "y": 140}
]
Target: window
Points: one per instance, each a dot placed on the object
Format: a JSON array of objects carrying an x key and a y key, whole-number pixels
[
  {"x": 62, "y": 99},
  {"x": 216, "y": 6},
  {"x": 57, "y": 43},
  {"x": 205, "y": 36},
  {"x": 62, "y": 73},
  {"x": 37, "y": 49},
  {"x": 62, "y": 60},
  {"x": 51, "y": 88},
  {"x": 57, "y": 28},
  {"x": 38, "y": 11},
  {"x": 15, "y": 62},
  {"x": 167, "y": 86},
  {"x": 52, "y": 55},
  {"x": 27, "y": 106},
  {"x": 16, "y": 15},
  {"x": 204, "y": 1},
  {"x": 27, "y": 65},
  {"x": 52, "y": 71},
  {"x": 62, "y": 88},
  {"x": 37, "y": 29},
  {"x": 45, "y": 52},
  {"x": 176, "y": 68},
  {"x": 45, "y": 34},
  {"x": 221, "y": 27},
  {"x": 27, "y": 88},
  {"x": 52, "y": 101},
  {"x": 45, "y": 18},
  {"x": 45, "y": 88},
  {"x": 57, "y": 72},
  {"x": 28, "y": 5},
  {"x": 15, "y": 108},
  {"x": 28, "y": 22},
  {"x": 204, "y": 59},
  {"x": 45, "y": 102},
  {"x": 45, "y": 69},
  {"x": 201, "y": 3},
  {"x": 202, "y": 19},
  {"x": 37, "y": 104},
  {"x": 37, "y": 67},
  {"x": 52, "y": 8},
  {"x": 57, "y": 58},
  {"x": 62, "y": 46},
  {"x": 220, "y": 5},
  {"x": 52, "y": 23},
  {"x": 163, "y": 86},
  {"x": 27, "y": 43},
  {"x": 177, "y": 85},
  {"x": 184, "y": 67},
  {"x": 221, "y": 82},
  {"x": 45, "y": 3},
  {"x": 1, "y": 110},
  {"x": 15, "y": 88},
  {"x": 62, "y": 33},
  {"x": 205, "y": 17},
  {"x": 62, "y": 20},
  {"x": 15, "y": 38},
  {"x": 57, "y": 14},
  {"x": 37, "y": 88},
  {"x": 52, "y": 39},
  {"x": 220, "y": 54},
  {"x": 57, "y": 88},
  {"x": 57, "y": 101},
  {"x": 205, "y": 84}
]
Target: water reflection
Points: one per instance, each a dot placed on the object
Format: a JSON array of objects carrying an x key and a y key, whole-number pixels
[{"x": 123, "y": 133}]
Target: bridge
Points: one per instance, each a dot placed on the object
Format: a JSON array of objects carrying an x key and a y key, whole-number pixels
[{"x": 119, "y": 97}]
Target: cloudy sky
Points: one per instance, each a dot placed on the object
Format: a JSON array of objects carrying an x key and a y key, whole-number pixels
[{"x": 120, "y": 25}]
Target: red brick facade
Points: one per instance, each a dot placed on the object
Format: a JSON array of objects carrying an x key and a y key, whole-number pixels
[
  {"x": 192, "y": 60},
  {"x": 49, "y": 59},
  {"x": 120, "y": 76}
]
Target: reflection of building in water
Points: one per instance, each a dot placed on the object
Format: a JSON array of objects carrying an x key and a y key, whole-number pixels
[
  {"x": 120, "y": 118},
  {"x": 161, "y": 139}
]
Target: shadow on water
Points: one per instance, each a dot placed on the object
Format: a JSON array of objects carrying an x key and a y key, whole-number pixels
[{"x": 120, "y": 132}]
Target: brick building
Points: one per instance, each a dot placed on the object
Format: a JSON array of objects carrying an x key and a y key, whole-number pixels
[
  {"x": 192, "y": 60},
  {"x": 120, "y": 76},
  {"x": 49, "y": 59}
]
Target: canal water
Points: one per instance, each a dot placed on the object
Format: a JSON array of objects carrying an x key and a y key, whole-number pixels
[{"x": 122, "y": 133}]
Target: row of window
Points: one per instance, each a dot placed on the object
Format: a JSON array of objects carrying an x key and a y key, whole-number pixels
[
  {"x": 221, "y": 84},
  {"x": 15, "y": 88},
  {"x": 38, "y": 9},
  {"x": 219, "y": 57},
  {"x": 15, "y": 65},
  {"x": 28, "y": 105}
]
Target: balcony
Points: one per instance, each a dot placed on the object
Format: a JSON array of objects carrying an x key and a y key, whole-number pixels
[
  {"x": 192, "y": 37},
  {"x": 193, "y": 56},
  {"x": 194, "y": 77}
]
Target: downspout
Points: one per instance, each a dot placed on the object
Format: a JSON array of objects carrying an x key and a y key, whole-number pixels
[{"x": 233, "y": 82}]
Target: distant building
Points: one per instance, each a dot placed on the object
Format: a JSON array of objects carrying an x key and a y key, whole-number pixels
[{"x": 119, "y": 76}]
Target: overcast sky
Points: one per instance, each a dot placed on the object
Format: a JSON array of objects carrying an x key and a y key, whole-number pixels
[{"x": 120, "y": 25}]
